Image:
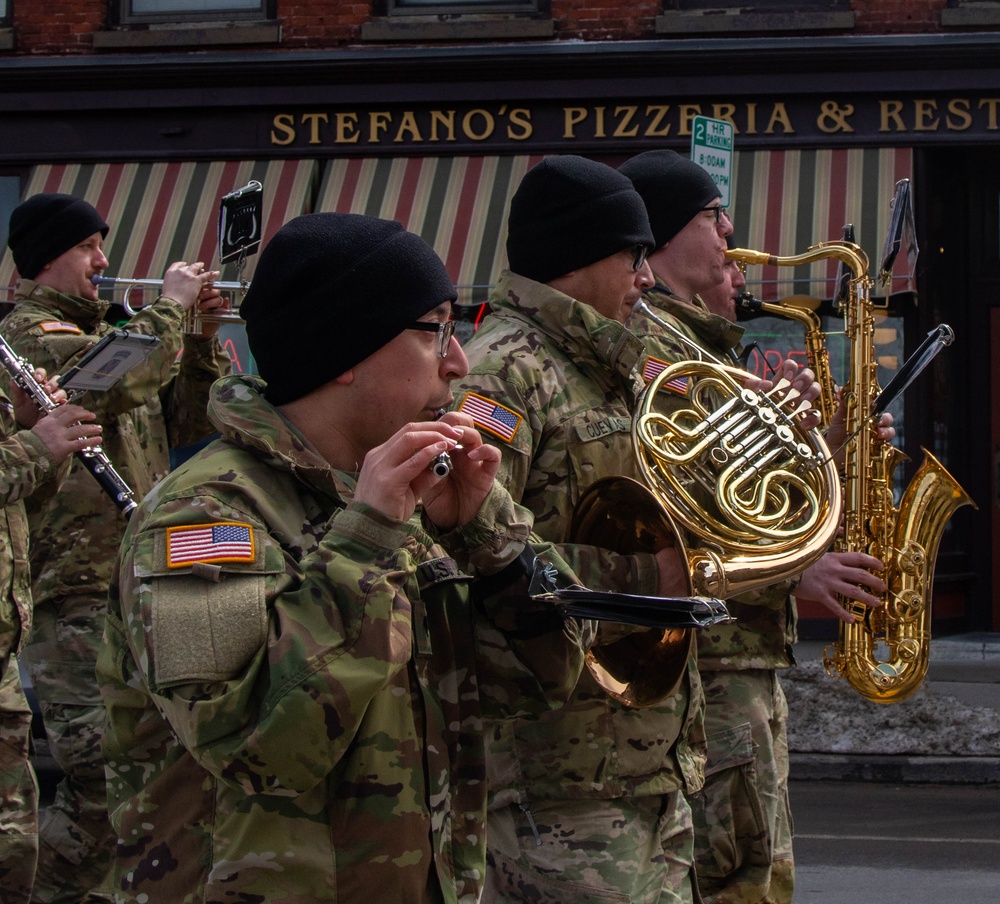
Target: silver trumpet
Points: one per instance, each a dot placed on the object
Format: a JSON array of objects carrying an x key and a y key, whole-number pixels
[{"x": 127, "y": 285}]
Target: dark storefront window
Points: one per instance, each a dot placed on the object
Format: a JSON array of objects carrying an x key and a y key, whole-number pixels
[
  {"x": 458, "y": 20},
  {"x": 4, "y": 14},
  {"x": 713, "y": 16},
  {"x": 431, "y": 7},
  {"x": 136, "y": 11},
  {"x": 761, "y": 6},
  {"x": 969, "y": 13}
]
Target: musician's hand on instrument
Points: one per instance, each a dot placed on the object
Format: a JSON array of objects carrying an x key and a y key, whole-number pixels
[
  {"x": 26, "y": 410},
  {"x": 66, "y": 430},
  {"x": 395, "y": 475},
  {"x": 798, "y": 382},
  {"x": 884, "y": 427},
  {"x": 675, "y": 580},
  {"x": 455, "y": 499},
  {"x": 51, "y": 387},
  {"x": 836, "y": 433},
  {"x": 847, "y": 574},
  {"x": 210, "y": 300},
  {"x": 185, "y": 282}
]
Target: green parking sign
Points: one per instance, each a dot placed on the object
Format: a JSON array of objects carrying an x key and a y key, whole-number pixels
[{"x": 712, "y": 149}]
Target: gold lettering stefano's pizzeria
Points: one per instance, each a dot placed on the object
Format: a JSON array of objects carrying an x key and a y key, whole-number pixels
[{"x": 615, "y": 122}]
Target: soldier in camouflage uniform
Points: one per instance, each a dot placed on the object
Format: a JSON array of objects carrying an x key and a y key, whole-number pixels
[
  {"x": 56, "y": 243},
  {"x": 29, "y": 458},
  {"x": 295, "y": 678},
  {"x": 742, "y": 818},
  {"x": 586, "y": 803}
]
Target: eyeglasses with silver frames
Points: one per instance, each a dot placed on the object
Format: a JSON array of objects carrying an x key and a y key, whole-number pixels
[{"x": 445, "y": 330}]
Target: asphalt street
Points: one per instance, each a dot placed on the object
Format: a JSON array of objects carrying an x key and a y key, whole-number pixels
[{"x": 895, "y": 844}]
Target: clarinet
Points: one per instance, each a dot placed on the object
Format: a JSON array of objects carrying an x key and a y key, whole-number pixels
[{"x": 94, "y": 459}]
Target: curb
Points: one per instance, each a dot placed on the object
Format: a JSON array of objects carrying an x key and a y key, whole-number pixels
[{"x": 879, "y": 768}]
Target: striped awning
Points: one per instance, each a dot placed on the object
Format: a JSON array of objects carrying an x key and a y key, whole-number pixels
[
  {"x": 165, "y": 212},
  {"x": 458, "y": 205},
  {"x": 784, "y": 201},
  {"x": 781, "y": 202}
]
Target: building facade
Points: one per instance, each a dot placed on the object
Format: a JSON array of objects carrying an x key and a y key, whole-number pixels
[{"x": 430, "y": 112}]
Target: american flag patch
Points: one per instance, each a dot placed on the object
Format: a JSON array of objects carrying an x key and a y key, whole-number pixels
[
  {"x": 59, "y": 326},
  {"x": 225, "y": 541},
  {"x": 491, "y": 416},
  {"x": 654, "y": 367}
]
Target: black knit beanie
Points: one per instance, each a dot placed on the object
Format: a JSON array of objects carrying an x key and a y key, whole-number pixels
[
  {"x": 673, "y": 187},
  {"x": 45, "y": 226},
  {"x": 569, "y": 212},
  {"x": 329, "y": 290}
]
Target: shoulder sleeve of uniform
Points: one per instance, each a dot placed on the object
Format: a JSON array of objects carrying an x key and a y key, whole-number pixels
[
  {"x": 207, "y": 613},
  {"x": 51, "y": 344},
  {"x": 498, "y": 419}
]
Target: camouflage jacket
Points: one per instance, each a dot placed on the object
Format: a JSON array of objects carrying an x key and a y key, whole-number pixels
[
  {"x": 298, "y": 717},
  {"x": 25, "y": 463},
  {"x": 764, "y": 630},
  {"x": 563, "y": 378},
  {"x": 75, "y": 533}
]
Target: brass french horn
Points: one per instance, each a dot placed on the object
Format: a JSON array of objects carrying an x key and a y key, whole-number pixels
[{"x": 733, "y": 480}]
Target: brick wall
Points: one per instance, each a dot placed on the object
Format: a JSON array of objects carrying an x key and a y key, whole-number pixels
[
  {"x": 56, "y": 28},
  {"x": 66, "y": 27},
  {"x": 888, "y": 17}
]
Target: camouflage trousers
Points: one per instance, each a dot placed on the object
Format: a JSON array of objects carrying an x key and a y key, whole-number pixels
[
  {"x": 76, "y": 838},
  {"x": 742, "y": 820},
  {"x": 592, "y": 852},
  {"x": 18, "y": 791}
]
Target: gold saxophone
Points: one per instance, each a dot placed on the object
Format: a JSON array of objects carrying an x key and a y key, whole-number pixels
[
  {"x": 884, "y": 653},
  {"x": 816, "y": 351}
]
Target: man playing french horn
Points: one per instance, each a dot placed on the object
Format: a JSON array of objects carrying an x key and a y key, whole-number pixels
[
  {"x": 689, "y": 313},
  {"x": 57, "y": 244},
  {"x": 589, "y": 802}
]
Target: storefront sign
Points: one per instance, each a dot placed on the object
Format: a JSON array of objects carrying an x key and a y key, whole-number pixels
[{"x": 521, "y": 125}]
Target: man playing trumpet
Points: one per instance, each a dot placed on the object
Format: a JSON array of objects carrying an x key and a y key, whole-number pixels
[{"x": 57, "y": 243}]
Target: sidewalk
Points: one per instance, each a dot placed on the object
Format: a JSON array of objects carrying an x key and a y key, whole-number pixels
[{"x": 958, "y": 707}]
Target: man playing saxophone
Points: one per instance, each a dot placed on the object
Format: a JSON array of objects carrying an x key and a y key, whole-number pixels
[
  {"x": 57, "y": 245},
  {"x": 689, "y": 313}
]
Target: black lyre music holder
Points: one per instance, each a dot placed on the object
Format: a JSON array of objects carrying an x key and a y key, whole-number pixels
[
  {"x": 901, "y": 232},
  {"x": 240, "y": 224}
]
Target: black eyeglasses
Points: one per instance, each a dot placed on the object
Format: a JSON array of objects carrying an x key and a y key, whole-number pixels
[
  {"x": 445, "y": 330},
  {"x": 719, "y": 212},
  {"x": 639, "y": 253}
]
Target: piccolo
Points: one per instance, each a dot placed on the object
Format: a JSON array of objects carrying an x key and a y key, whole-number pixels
[
  {"x": 441, "y": 464},
  {"x": 94, "y": 459}
]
